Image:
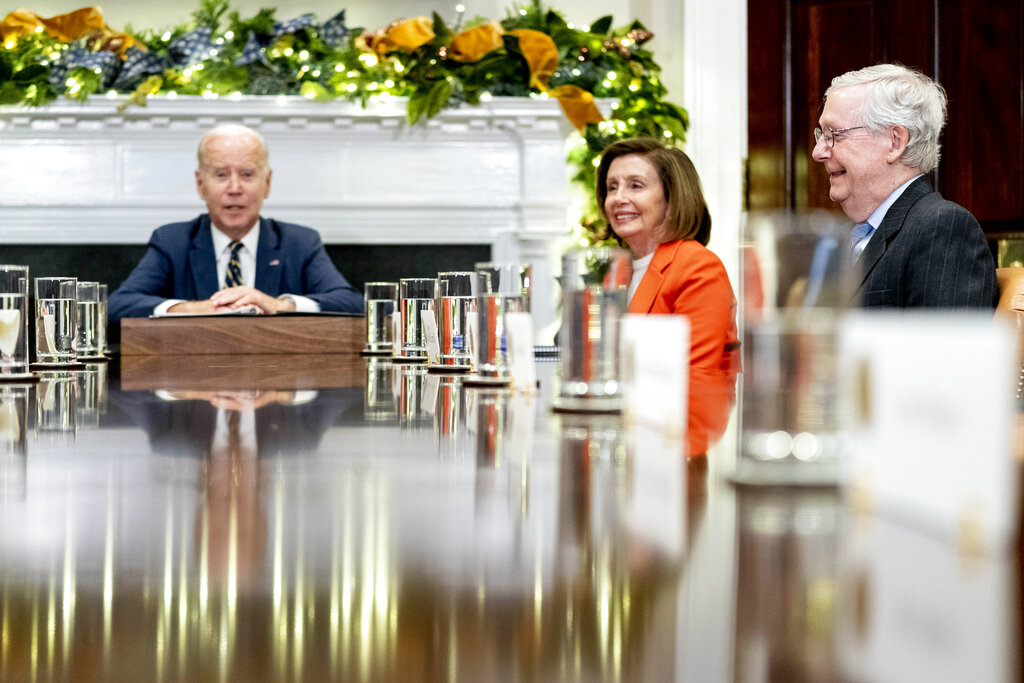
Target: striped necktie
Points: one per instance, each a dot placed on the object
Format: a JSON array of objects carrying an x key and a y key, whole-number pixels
[
  {"x": 233, "y": 276},
  {"x": 859, "y": 238}
]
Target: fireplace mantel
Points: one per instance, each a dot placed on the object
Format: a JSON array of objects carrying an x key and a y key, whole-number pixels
[{"x": 96, "y": 173}]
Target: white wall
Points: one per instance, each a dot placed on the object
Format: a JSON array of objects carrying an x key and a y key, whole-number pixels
[{"x": 700, "y": 45}]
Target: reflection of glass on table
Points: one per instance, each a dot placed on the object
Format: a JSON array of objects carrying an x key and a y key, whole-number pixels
[{"x": 56, "y": 401}]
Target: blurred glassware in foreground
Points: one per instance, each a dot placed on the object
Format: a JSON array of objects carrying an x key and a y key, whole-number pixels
[
  {"x": 797, "y": 278},
  {"x": 595, "y": 296}
]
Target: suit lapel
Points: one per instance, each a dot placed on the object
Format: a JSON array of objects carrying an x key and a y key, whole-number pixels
[
  {"x": 268, "y": 259},
  {"x": 890, "y": 227},
  {"x": 202, "y": 262},
  {"x": 647, "y": 292}
]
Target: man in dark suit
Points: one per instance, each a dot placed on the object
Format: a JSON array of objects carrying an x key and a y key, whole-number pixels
[
  {"x": 878, "y": 136},
  {"x": 231, "y": 258}
]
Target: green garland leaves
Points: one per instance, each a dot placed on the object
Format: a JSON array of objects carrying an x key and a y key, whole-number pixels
[{"x": 610, "y": 63}]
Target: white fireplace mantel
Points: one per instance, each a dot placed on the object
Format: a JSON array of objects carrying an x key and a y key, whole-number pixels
[{"x": 494, "y": 174}]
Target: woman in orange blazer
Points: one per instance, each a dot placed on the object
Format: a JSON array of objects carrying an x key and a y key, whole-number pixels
[{"x": 651, "y": 197}]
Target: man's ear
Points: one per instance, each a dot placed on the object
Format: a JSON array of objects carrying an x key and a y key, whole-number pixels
[{"x": 899, "y": 138}]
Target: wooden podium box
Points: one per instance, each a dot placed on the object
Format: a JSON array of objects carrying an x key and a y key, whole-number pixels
[{"x": 243, "y": 334}]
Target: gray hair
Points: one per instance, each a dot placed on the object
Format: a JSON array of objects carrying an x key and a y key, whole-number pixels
[
  {"x": 899, "y": 96},
  {"x": 234, "y": 130}
]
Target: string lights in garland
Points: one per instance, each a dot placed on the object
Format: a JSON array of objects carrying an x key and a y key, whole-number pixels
[{"x": 532, "y": 52}]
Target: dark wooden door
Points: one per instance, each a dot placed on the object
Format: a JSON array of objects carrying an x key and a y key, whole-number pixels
[{"x": 974, "y": 49}]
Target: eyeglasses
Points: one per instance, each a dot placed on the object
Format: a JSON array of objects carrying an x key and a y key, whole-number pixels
[{"x": 830, "y": 135}]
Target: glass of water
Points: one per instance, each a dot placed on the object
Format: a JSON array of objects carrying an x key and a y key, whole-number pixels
[
  {"x": 455, "y": 309},
  {"x": 380, "y": 300},
  {"x": 415, "y": 295},
  {"x": 56, "y": 320},
  {"x": 498, "y": 288},
  {"x": 88, "y": 298},
  {"x": 13, "y": 321}
]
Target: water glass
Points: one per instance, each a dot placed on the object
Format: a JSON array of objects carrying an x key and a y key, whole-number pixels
[
  {"x": 88, "y": 306},
  {"x": 56, "y": 320},
  {"x": 380, "y": 300},
  {"x": 415, "y": 295},
  {"x": 102, "y": 343},
  {"x": 498, "y": 288},
  {"x": 595, "y": 296},
  {"x": 798, "y": 279},
  {"x": 13, "y": 321},
  {"x": 455, "y": 308}
]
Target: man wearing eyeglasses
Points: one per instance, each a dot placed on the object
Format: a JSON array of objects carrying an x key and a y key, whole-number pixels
[{"x": 878, "y": 136}]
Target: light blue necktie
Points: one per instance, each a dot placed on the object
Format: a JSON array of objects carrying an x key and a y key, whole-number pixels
[
  {"x": 233, "y": 276},
  {"x": 859, "y": 238}
]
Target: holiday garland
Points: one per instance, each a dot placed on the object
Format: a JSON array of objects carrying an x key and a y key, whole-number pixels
[{"x": 533, "y": 51}]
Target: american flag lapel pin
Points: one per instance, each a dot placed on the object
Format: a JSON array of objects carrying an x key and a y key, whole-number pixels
[{"x": 275, "y": 262}]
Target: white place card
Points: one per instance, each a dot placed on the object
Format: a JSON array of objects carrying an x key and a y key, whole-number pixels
[
  {"x": 932, "y": 416},
  {"x": 655, "y": 370},
  {"x": 519, "y": 340},
  {"x": 396, "y": 333},
  {"x": 430, "y": 337}
]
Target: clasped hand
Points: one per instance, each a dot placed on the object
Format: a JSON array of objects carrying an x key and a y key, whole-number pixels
[{"x": 233, "y": 298}]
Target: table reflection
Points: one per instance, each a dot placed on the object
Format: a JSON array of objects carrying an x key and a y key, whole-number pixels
[{"x": 394, "y": 524}]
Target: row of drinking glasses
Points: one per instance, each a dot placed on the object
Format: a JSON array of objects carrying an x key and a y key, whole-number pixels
[
  {"x": 467, "y": 308},
  {"x": 70, "y": 321}
]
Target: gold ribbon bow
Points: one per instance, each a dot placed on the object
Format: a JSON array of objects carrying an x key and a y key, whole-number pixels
[
  {"x": 542, "y": 57},
  {"x": 66, "y": 28},
  {"x": 474, "y": 43},
  {"x": 405, "y": 34}
]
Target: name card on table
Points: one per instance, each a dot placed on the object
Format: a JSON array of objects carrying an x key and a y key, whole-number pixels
[
  {"x": 430, "y": 337},
  {"x": 932, "y": 408},
  {"x": 519, "y": 340},
  {"x": 655, "y": 370}
]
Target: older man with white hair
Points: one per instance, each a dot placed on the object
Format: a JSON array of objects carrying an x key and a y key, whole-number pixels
[
  {"x": 877, "y": 137},
  {"x": 232, "y": 257}
]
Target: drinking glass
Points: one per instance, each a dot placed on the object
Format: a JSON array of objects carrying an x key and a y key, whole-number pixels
[
  {"x": 13, "y": 322},
  {"x": 498, "y": 288},
  {"x": 88, "y": 306},
  {"x": 455, "y": 308},
  {"x": 56, "y": 320},
  {"x": 798, "y": 278},
  {"x": 415, "y": 295},
  {"x": 102, "y": 343},
  {"x": 380, "y": 300},
  {"x": 595, "y": 296}
]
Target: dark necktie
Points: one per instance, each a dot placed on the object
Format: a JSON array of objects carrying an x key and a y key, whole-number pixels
[{"x": 233, "y": 276}]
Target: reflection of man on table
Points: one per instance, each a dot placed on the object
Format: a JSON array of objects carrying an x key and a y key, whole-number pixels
[{"x": 232, "y": 258}]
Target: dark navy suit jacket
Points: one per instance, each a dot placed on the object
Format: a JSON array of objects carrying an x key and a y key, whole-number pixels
[
  {"x": 180, "y": 264},
  {"x": 928, "y": 252}
]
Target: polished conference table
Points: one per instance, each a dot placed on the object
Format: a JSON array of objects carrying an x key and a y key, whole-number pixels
[{"x": 340, "y": 518}]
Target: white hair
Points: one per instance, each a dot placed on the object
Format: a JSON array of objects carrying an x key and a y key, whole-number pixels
[
  {"x": 234, "y": 130},
  {"x": 899, "y": 96}
]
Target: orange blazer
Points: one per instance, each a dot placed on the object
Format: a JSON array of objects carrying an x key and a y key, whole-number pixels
[{"x": 686, "y": 278}]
